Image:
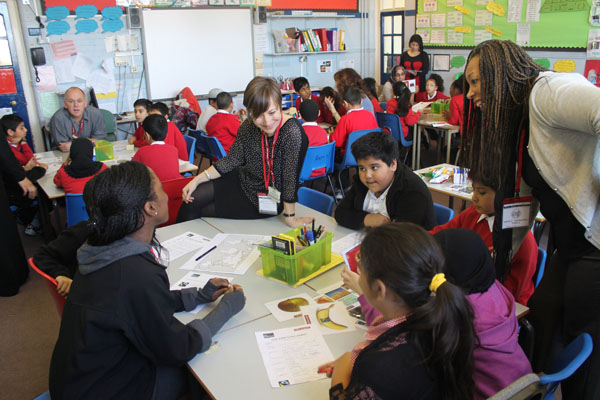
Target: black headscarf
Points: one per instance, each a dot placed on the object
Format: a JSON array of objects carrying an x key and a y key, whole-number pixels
[
  {"x": 82, "y": 159},
  {"x": 468, "y": 261}
]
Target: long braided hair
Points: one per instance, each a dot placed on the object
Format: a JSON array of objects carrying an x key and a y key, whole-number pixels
[{"x": 491, "y": 132}]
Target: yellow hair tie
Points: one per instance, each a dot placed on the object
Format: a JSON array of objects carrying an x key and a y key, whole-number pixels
[{"x": 436, "y": 282}]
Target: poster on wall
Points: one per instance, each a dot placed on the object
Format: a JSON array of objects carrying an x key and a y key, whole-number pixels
[
  {"x": 592, "y": 71},
  {"x": 330, "y": 5},
  {"x": 324, "y": 66}
]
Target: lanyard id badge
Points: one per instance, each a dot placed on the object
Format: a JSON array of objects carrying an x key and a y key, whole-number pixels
[
  {"x": 77, "y": 134},
  {"x": 515, "y": 210},
  {"x": 266, "y": 205}
]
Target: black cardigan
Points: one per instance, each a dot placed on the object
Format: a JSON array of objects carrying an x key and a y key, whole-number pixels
[{"x": 408, "y": 200}]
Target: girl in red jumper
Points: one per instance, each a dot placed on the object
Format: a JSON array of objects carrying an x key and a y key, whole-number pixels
[
  {"x": 433, "y": 90},
  {"x": 400, "y": 105},
  {"x": 79, "y": 168},
  {"x": 371, "y": 86}
]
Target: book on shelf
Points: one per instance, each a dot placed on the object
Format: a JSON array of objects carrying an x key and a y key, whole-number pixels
[{"x": 293, "y": 40}]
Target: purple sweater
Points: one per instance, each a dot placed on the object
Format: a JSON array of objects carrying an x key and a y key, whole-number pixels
[{"x": 499, "y": 360}]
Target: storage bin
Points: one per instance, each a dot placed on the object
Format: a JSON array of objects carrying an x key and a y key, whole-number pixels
[
  {"x": 104, "y": 150},
  {"x": 291, "y": 269}
]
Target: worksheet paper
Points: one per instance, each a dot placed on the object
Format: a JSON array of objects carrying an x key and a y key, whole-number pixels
[
  {"x": 438, "y": 20},
  {"x": 482, "y": 36},
  {"x": 438, "y": 36},
  {"x": 423, "y": 21},
  {"x": 533, "y": 11},
  {"x": 195, "y": 280},
  {"x": 483, "y": 18},
  {"x": 455, "y": 37},
  {"x": 455, "y": 18},
  {"x": 523, "y": 34},
  {"x": 452, "y": 3},
  {"x": 430, "y": 5},
  {"x": 233, "y": 254},
  {"x": 338, "y": 246},
  {"x": 184, "y": 243},
  {"x": 293, "y": 355},
  {"x": 515, "y": 9}
]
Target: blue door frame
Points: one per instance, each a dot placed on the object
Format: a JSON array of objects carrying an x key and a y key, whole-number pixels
[{"x": 390, "y": 58}]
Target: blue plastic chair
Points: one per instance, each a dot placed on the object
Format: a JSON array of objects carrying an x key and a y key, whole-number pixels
[
  {"x": 216, "y": 148},
  {"x": 539, "y": 270},
  {"x": 383, "y": 104},
  {"x": 318, "y": 157},
  {"x": 191, "y": 146},
  {"x": 567, "y": 363},
  {"x": 349, "y": 160},
  {"x": 316, "y": 200},
  {"x": 391, "y": 122},
  {"x": 442, "y": 214},
  {"x": 201, "y": 144},
  {"x": 76, "y": 211}
]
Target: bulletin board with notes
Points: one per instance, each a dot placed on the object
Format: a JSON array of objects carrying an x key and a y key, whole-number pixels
[{"x": 530, "y": 23}]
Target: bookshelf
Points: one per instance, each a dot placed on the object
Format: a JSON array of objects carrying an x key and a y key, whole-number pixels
[{"x": 304, "y": 53}]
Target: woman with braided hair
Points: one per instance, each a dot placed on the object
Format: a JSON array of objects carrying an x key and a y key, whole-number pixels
[{"x": 537, "y": 133}]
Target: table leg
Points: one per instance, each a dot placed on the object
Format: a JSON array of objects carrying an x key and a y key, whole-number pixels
[
  {"x": 418, "y": 143},
  {"x": 448, "y": 141},
  {"x": 414, "y": 148},
  {"x": 451, "y": 202}
]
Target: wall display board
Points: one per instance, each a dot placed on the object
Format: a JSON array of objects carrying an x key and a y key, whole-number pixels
[
  {"x": 181, "y": 50},
  {"x": 330, "y": 5},
  {"x": 530, "y": 23}
]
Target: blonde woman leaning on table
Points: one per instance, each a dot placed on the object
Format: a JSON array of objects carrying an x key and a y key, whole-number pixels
[{"x": 259, "y": 176}]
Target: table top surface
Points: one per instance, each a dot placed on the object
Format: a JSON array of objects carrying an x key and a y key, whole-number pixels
[
  {"x": 235, "y": 356},
  {"x": 462, "y": 191},
  {"x": 121, "y": 154},
  {"x": 428, "y": 118}
]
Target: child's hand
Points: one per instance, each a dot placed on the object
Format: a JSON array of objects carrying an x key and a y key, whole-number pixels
[
  {"x": 326, "y": 368},
  {"x": 222, "y": 285},
  {"x": 30, "y": 164},
  {"x": 329, "y": 103},
  {"x": 188, "y": 189},
  {"x": 446, "y": 115},
  {"x": 342, "y": 371},
  {"x": 293, "y": 222},
  {"x": 45, "y": 166},
  {"x": 375, "y": 220},
  {"x": 131, "y": 140},
  {"x": 64, "y": 147},
  {"x": 351, "y": 279},
  {"x": 64, "y": 285}
]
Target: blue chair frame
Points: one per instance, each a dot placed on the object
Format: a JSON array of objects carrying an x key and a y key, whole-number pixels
[
  {"x": 443, "y": 214},
  {"x": 191, "y": 146},
  {"x": 568, "y": 361},
  {"x": 541, "y": 266},
  {"x": 316, "y": 200},
  {"x": 318, "y": 157},
  {"x": 201, "y": 144},
  {"x": 76, "y": 211},
  {"x": 391, "y": 122},
  {"x": 349, "y": 160},
  {"x": 216, "y": 148}
]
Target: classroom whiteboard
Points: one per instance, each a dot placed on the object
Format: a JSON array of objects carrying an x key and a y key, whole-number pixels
[{"x": 198, "y": 48}]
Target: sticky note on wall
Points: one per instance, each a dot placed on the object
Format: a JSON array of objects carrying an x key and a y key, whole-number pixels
[
  {"x": 463, "y": 29},
  {"x": 495, "y": 8},
  {"x": 493, "y": 31},
  {"x": 564, "y": 66},
  {"x": 462, "y": 10}
]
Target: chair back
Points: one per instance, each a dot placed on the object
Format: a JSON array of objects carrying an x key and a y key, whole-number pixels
[
  {"x": 110, "y": 122},
  {"x": 391, "y": 122},
  {"x": 316, "y": 200},
  {"x": 539, "y": 270},
  {"x": 442, "y": 214},
  {"x": 173, "y": 190},
  {"x": 216, "y": 148},
  {"x": 75, "y": 209},
  {"x": 349, "y": 160},
  {"x": 568, "y": 361},
  {"x": 51, "y": 284},
  {"x": 383, "y": 104},
  {"x": 527, "y": 387},
  {"x": 191, "y": 146},
  {"x": 201, "y": 143},
  {"x": 318, "y": 157}
]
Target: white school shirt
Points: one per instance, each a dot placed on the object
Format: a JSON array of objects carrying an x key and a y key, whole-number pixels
[
  {"x": 310, "y": 124},
  {"x": 157, "y": 142},
  {"x": 376, "y": 205},
  {"x": 434, "y": 94}
]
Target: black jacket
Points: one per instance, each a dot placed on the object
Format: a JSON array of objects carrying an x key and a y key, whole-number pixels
[{"x": 408, "y": 200}]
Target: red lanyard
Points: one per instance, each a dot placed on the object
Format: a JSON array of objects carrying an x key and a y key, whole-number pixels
[
  {"x": 154, "y": 254},
  {"x": 80, "y": 128},
  {"x": 270, "y": 156},
  {"x": 520, "y": 164}
]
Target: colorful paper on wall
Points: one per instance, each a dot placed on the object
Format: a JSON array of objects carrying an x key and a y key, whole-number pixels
[
  {"x": 543, "y": 62},
  {"x": 63, "y": 69},
  {"x": 45, "y": 74},
  {"x": 593, "y": 46},
  {"x": 73, "y": 4},
  {"x": 57, "y": 27},
  {"x": 553, "y": 6},
  {"x": 85, "y": 11},
  {"x": 457, "y": 61},
  {"x": 82, "y": 66},
  {"x": 483, "y": 18},
  {"x": 533, "y": 11},
  {"x": 452, "y": 3},
  {"x": 63, "y": 49},
  {"x": 493, "y": 31},
  {"x": 463, "y": 10},
  {"x": 495, "y": 8},
  {"x": 523, "y": 34},
  {"x": 595, "y": 13},
  {"x": 86, "y": 26},
  {"x": 438, "y": 36},
  {"x": 564, "y": 66},
  {"x": 455, "y": 18},
  {"x": 455, "y": 37},
  {"x": 463, "y": 29},
  {"x": 430, "y": 5},
  {"x": 515, "y": 11},
  {"x": 48, "y": 103},
  {"x": 592, "y": 71},
  {"x": 482, "y": 36},
  {"x": 423, "y": 21},
  {"x": 438, "y": 20},
  {"x": 424, "y": 34}
]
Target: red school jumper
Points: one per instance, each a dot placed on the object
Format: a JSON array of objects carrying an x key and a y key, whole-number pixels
[
  {"x": 140, "y": 138},
  {"x": 70, "y": 184},
  {"x": 162, "y": 158},
  {"x": 354, "y": 120},
  {"x": 316, "y": 137},
  {"x": 175, "y": 138},
  {"x": 523, "y": 265},
  {"x": 224, "y": 126},
  {"x": 422, "y": 96},
  {"x": 376, "y": 106},
  {"x": 22, "y": 152},
  {"x": 456, "y": 111},
  {"x": 408, "y": 120},
  {"x": 318, "y": 100}
]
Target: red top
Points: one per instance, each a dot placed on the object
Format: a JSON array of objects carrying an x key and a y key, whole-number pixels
[
  {"x": 22, "y": 152},
  {"x": 70, "y": 184},
  {"x": 456, "y": 110},
  {"x": 523, "y": 265},
  {"x": 162, "y": 158},
  {"x": 175, "y": 138},
  {"x": 408, "y": 120},
  {"x": 422, "y": 96},
  {"x": 318, "y": 100},
  {"x": 376, "y": 106},
  {"x": 316, "y": 137},
  {"x": 224, "y": 126},
  {"x": 140, "y": 139},
  {"x": 328, "y": 116},
  {"x": 354, "y": 120}
]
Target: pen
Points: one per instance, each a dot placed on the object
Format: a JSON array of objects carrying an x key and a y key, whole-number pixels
[
  {"x": 205, "y": 253},
  {"x": 313, "y": 226},
  {"x": 325, "y": 370}
]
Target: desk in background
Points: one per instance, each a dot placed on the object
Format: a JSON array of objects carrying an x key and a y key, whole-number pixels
[{"x": 426, "y": 121}]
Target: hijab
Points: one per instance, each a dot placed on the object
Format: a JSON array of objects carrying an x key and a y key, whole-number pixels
[
  {"x": 82, "y": 163},
  {"x": 468, "y": 261}
]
